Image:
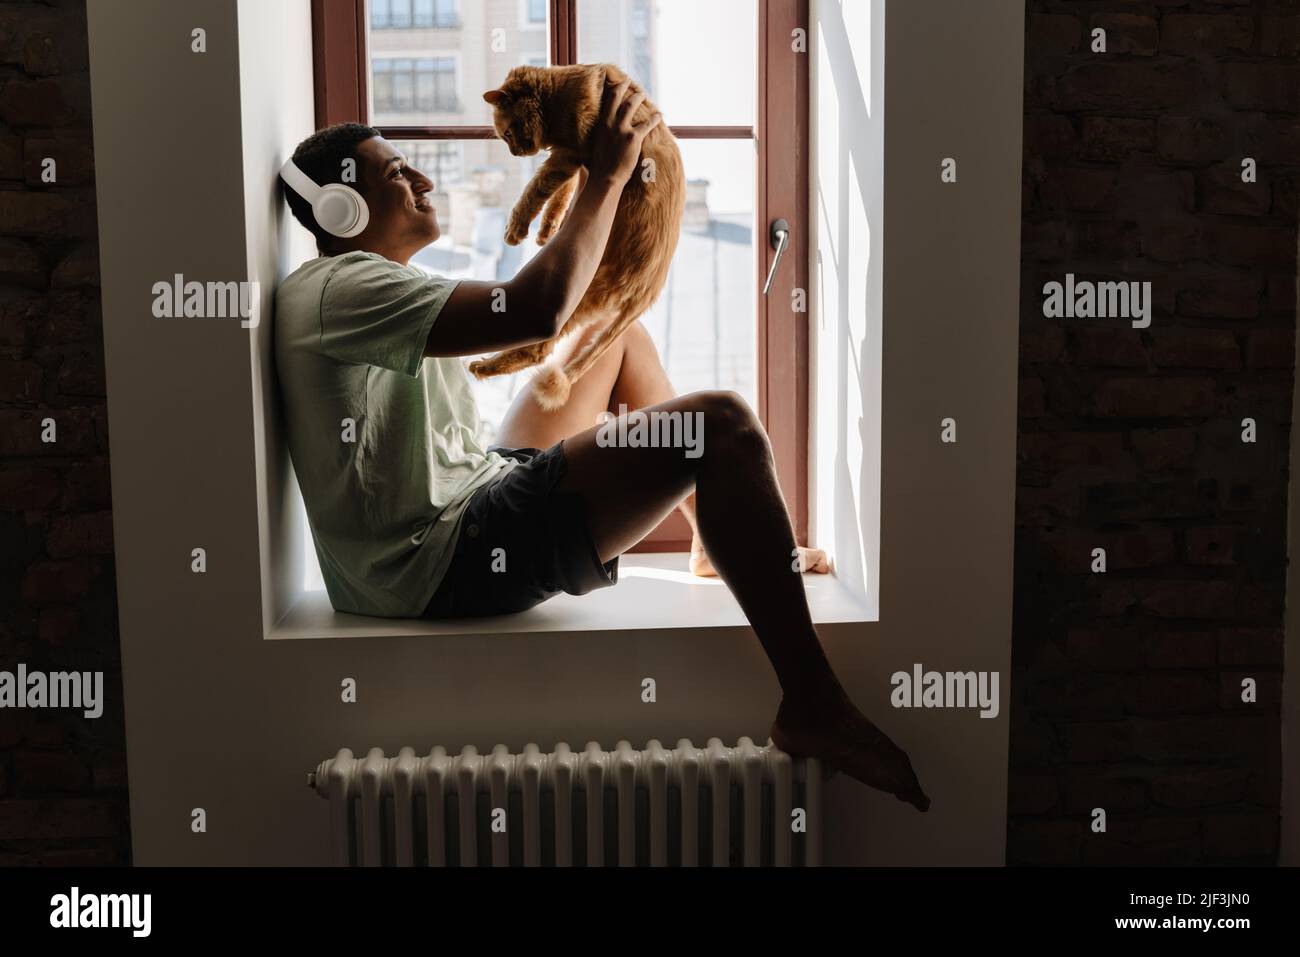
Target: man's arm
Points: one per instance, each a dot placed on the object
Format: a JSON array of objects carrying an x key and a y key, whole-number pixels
[{"x": 540, "y": 299}]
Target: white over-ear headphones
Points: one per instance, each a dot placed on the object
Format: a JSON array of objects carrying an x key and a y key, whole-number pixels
[{"x": 339, "y": 209}]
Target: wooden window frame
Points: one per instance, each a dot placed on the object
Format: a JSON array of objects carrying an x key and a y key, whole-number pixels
[{"x": 339, "y": 36}]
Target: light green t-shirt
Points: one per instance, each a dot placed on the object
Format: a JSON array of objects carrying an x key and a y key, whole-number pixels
[{"x": 384, "y": 497}]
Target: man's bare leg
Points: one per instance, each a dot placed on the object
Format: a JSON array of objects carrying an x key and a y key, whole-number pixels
[
  {"x": 527, "y": 425},
  {"x": 744, "y": 525},
  {"x": 643, "y": 382},
  {"x": 629, "y": 374}
]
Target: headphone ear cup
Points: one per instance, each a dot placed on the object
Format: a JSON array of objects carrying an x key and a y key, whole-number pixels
[{"x": 340, "y": 210}]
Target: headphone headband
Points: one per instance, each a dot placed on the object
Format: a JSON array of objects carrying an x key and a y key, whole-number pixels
[{"x": 301, "y": 183}]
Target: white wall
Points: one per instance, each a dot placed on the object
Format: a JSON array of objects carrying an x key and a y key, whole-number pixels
[
  {"x": 220, "y": 719},
  {"x": 914, "y": 319},
  {"x": 278, "y": 112}
]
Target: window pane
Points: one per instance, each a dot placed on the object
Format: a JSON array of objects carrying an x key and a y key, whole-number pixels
[
  {"x": 472, "y": 45},
  {"x": 403, "y": 95},
  {"x": 695, "y": 58},
  {"x": 703, "y": 323},
  {"x": 444, "y": 77},
  {"x": 425, "y": 90},
  {"x": 382, "y": 91},
  {"x": 476, "y": 184}
]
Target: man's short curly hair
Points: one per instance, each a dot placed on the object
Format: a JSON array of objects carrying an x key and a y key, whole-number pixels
[{"x": 320, "y": 156}]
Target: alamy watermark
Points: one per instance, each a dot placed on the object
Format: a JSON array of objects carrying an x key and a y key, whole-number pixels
[
  {"x": 75, "y": 909},
  {"x": 179, "y": 299},
  {"x": 945, "y": 689},
  {"x": 653, "y": 429},
  {"x": 58, "y": 689},
  {"x": 1098, "y": 300}
]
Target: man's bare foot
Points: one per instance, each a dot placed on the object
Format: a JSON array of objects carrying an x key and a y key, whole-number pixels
[
  {"x": 840, "y": 735},
  {"x": 812, "y": 559},
  {"x": 700, "y": 564}
]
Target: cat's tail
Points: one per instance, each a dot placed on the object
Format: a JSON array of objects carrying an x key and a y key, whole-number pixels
[{"x": 551, "y": 387}]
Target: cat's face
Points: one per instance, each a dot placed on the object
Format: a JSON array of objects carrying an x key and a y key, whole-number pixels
[{"x": 517, "y": 112}]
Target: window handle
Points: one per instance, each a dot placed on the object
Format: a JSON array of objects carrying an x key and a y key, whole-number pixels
[{"x": 779, "y": 236}]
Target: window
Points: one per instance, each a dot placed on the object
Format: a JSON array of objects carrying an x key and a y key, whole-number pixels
[
  {"x": 713, "y": 325},
  {"x": 534, "y": 13},
  {"x": 413, "y": 14},
  {"x": 426, "y": 85},
  {"x": 704, "y": 322}
]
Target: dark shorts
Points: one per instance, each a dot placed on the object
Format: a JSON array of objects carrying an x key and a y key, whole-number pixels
[{"x": 520, "y": 543}]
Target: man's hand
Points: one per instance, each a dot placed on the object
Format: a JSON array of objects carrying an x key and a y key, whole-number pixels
[{"x": 615, "y": 143}]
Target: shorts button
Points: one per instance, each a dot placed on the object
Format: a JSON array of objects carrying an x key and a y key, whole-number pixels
[{"x": 472, "y": 531}]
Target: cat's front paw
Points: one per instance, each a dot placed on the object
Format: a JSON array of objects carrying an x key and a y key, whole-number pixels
[
  {"x": 516, "y": 232},
  {"x": 480, "y": 369}
]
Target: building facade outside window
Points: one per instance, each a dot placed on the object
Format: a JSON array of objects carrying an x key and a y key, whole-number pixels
[{"x": 414, "y": 14}]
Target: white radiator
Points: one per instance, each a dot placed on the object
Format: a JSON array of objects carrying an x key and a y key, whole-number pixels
[{"x": 718, "y": 806}]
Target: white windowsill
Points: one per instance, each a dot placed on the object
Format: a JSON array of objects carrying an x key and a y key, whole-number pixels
[{"x": 654, "y": 591}]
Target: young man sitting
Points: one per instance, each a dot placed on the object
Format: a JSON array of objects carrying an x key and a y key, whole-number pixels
[{"x": 411, "y": 517}]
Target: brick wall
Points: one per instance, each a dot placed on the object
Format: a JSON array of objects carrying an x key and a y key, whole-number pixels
[
  {"x": 1127, "y": 684},
  {"x": 62, "y": 777}
]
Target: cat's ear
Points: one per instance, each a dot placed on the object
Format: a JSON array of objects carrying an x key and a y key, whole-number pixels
[{"x": 495, "y": 96}]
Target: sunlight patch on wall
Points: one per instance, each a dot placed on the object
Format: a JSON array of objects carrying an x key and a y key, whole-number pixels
[{"x": 311, "y": 576}]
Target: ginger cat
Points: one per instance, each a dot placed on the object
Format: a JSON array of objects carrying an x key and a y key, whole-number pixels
[{"x": 554, "y": 108}]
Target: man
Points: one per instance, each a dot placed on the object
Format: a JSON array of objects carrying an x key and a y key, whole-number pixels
[{"x": 411, "y": 517}]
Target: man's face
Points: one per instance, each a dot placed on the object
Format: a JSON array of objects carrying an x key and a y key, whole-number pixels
[{"x": 400, "y": 197}]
